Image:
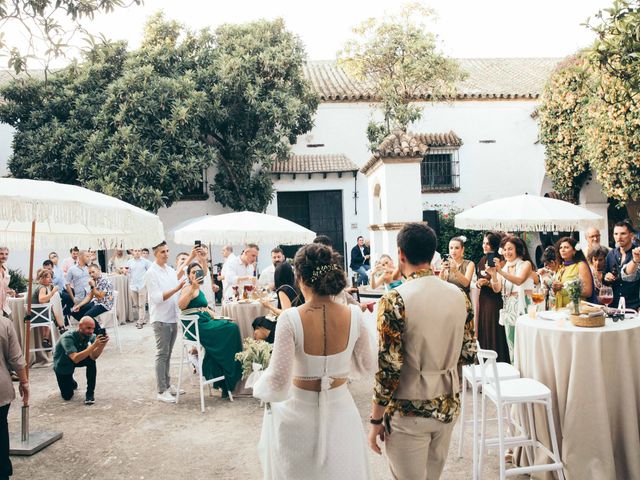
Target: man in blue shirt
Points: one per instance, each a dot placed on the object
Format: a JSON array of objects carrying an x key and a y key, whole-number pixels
[
  {"x": 616, "y": 265},
  {"x": 75, "y": 349},
  {"x": 77, "y": 282}
]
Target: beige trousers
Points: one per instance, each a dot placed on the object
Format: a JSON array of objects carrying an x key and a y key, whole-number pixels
[
  {"x": 138, "y": 300},
  {"x": 417, "y": 447}
]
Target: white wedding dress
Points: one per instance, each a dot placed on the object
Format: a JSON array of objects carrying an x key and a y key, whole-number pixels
[{"x": 313, "y": 435}]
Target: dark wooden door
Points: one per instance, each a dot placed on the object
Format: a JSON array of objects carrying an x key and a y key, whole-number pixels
[{"x": 320, "y": 211}]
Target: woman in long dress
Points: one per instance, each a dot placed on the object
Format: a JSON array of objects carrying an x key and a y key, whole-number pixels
[
  {"x": 491, "y": 334},
  {"x": 514, "y": 281},
  {"x": 220, "y": 338},
  {"x": 312, "y": 428}
]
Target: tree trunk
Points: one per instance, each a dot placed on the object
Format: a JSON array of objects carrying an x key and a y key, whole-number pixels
[{"x": 633, "y": 211}]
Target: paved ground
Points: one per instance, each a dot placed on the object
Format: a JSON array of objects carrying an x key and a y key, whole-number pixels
[{"x": 127, "y": 434}]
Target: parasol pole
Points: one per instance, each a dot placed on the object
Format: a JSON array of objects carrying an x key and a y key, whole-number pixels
[
  {"x": 27, "y": 337},
  {"x": 30, "y": 444}
]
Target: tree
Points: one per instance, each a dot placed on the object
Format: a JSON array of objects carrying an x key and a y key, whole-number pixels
[
  {"x": 562, "y": 124},
  {"x": 143, "y": 125},
  {"x": 590, "y": 114},
  {"x": 259, "y": 102},
  {"x": 48, "y": 28},
  {"x": 616, "y": 51},
  {"x": 399, "y": 58},
  {"x": 53, "y": 118}
]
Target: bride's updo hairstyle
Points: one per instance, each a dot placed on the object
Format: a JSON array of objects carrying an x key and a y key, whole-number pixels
[{"x": 318, "y": 267}]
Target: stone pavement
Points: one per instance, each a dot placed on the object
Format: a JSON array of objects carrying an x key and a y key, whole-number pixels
[{"x": 127, "y": 434}]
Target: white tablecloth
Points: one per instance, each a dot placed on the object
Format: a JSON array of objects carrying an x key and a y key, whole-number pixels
[
  {"x": 594, "y": 377},
  {"x": 121, "y": 284},
  {"x": 18, "y": 310}
]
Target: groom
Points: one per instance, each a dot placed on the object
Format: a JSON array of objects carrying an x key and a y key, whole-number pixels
[{"x": 425, "y": 331}]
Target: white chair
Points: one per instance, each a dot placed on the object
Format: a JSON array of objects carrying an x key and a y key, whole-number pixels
[
  {"x": 110, "y": 319},
  {"x": 42, "y": 317},
  {"x": 472, "y": 375},
  {"x": 520, "y": 392},
  {"x": 189, "y": 340}
]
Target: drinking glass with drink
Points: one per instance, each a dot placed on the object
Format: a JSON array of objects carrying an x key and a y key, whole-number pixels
[{"x": 605, "y": 295}]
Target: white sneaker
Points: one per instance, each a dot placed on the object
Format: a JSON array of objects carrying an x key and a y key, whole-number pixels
[
  {"x": 174, "y": 391},
  {"x": 166, "y": 397}
]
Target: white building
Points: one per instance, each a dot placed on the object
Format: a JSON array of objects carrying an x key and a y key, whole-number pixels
[{"x": 482, "y": 145}]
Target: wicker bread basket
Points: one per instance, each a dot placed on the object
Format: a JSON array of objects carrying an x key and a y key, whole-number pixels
[{"x": 587, "y": 320}]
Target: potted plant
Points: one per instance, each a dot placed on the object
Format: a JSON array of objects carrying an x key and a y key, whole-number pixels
[{"x": 586, "y": 316}]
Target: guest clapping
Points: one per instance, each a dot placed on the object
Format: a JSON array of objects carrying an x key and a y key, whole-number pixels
[
  {"x": 573, "y": 267},
  {"x": 456, "y": 269}
]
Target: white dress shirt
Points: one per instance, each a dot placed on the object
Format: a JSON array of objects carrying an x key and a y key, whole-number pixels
[
  {"x": 266, "y": 276},
  {"x": 159, "y": 280},
  {"x": 232, "y": 270},
  {"x": 137, "y": 270}
]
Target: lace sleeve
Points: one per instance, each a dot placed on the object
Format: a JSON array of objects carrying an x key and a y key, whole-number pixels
[
  {"x": 363, "y": 358},
  {"x": 275, "y": 382}
]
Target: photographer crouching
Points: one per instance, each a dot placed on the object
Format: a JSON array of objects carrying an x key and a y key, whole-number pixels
[{"x": 75, "y": 349}]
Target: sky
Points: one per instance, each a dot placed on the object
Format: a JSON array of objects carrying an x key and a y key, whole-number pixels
[{"x": 466, "y": 28}]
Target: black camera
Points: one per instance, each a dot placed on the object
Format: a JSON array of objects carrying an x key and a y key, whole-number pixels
[{"x": 100, "y": 331}]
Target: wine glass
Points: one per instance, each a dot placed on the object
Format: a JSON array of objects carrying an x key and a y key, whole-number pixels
[
  {"x": 605, "y": 295},
  {"x": 537, "y": 295}
]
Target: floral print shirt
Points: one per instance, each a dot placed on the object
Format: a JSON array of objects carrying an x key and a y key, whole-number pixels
[
  {"x": 103, "y": 284},
  {"x": 391, "y": 321}
]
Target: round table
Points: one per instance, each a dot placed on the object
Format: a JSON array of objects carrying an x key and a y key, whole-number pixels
[
  {"x": 595, "y": 386},
  {"x": 18, "y": 310},
  {"x": 121, "y": 284},
  {"x": 243, "y": 314}
]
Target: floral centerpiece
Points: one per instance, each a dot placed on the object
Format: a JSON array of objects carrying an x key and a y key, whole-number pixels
[
  {"x": 574, "y": 290},
  {"x": 254, "y": 358}
]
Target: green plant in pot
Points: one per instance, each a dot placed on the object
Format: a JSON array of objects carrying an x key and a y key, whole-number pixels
[
  {"x": 17, "y": 282},
  {"x": 574, "y": 290}
]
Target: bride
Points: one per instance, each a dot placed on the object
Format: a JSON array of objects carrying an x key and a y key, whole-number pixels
[{"x": 312, "y": 428}]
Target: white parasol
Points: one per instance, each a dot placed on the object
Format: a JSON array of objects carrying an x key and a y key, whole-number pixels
[
  {"x": 64, "y": 215},
  {"x": 528, "y": 213},
  {"x": 240, "y": 228},
  {"x": 68, "y": 215}
]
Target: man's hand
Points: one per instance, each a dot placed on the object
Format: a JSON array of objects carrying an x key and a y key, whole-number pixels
[
  {"x": 636, "y": 254},
  {"x": 182, "y": 283},
  {"x": 24, "y": 393},
  {"x": 363, "y": 306},
  {"x": 610, "y": 277},
  {"x": 102, "y": 339},
  {"x": 375, "y": 432},
  {"x": 11, "y": 292},
  {"x": 92, "y": 283},
  {"x": 75, "y": 308}
]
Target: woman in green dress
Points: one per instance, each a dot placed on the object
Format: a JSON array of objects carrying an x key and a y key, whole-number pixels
[{"x": 220, "y": 338}]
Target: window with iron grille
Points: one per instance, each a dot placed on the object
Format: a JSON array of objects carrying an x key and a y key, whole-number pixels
[
  {"x": 440, "y": 171},
  {"x": 197, "y": 192}
]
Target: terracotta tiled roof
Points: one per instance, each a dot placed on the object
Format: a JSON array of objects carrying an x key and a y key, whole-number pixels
[
  {"x": 505, "y": 78},
  {"x": 407, "y": 144},
  {"x": 314, "y": 163}
]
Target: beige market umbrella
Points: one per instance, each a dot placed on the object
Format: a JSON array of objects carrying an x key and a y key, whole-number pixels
[{"x": 52, "y": 215}]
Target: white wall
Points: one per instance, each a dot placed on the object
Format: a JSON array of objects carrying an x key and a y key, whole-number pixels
[{"x": 6, "y": 136}]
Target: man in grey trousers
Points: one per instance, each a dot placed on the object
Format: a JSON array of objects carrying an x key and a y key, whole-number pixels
[{"x": 162, "y": 284}]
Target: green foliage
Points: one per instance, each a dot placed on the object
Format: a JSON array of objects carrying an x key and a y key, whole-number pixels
[
  {"x": 398, "y": 57},
  {"x": 616, "y": 50},
  {"x": 49, "y": 28},
  {"x": 142, "y": 126},
  {"x": 590, "y": 114},
  {"x": 563, "y": 122},
  {"x": 259, "y": 102},
  {"x": 18, "y": 281},
  {"x": 473, "y": 245}
]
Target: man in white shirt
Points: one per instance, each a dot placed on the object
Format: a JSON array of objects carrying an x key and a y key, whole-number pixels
[
  {"x": 161, "y": 282},
  {"x": 137, "y": 268},
  {"x": 240, "y": 270},
  {"x": 68, "y": 262},
  {"x": 266, "y": 276}
]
